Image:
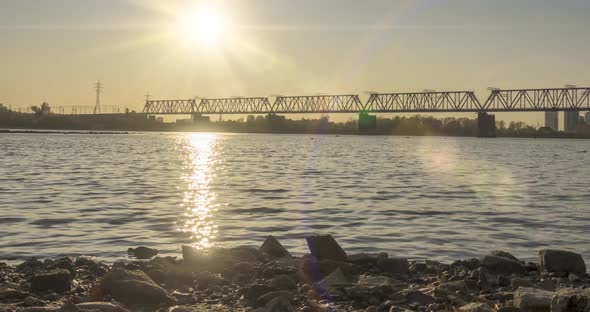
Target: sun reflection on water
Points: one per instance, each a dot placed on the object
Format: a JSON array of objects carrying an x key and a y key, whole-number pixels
[{"x": 199, "y": 201}]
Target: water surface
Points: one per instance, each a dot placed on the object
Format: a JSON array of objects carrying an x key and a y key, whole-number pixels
[{"x": 419, "y": 197}]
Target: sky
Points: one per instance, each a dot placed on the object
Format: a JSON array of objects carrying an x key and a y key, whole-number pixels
[{"x": 55, "y": 50}]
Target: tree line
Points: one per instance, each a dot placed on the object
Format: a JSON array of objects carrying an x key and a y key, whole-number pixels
[{"x": 417, "y": 125}]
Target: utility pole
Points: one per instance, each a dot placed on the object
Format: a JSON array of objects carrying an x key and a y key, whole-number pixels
[{"x": 98, "y": 87}]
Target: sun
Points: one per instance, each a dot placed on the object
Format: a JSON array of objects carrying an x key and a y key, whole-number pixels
[{"x": 205, "y": 26}]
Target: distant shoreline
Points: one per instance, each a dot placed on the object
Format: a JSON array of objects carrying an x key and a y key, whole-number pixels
[
  {"x": 16, "y": 131},
  {"x": 106, "y": 132}
]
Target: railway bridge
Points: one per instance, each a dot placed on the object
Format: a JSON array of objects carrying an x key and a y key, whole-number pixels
[{"x": 499, "y": 100}]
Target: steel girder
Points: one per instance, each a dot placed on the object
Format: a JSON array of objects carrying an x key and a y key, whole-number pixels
[
  {"x": 558, "y": 99},
  {"x": 317, "y": 104},
  {"x": 254, "y": 105},
  {"x": 429, "y": 101},
  {"x": 158, "y": 107}
]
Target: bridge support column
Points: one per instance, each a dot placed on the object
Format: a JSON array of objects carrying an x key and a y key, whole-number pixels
[
  {"x": 367, "y": 123},
  {"x": 486, "y": 125}
]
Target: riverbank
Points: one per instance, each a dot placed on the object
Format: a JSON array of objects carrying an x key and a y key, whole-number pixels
[
  {"x": 9, "y": 131},
  {"x": 269, "y": 278},
  {"x": 417, "y": 125}
]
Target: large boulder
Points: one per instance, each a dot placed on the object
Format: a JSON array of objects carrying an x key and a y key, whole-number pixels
[
  {"x": 59, "y": 280},
  {"x": 562, "y": 261},
  {"x": 571, "y": 300},
  {"x": 325, "y": 247},
  {"x": 501, "y": 265},
  {"x": 532, "y": 299},
  {"x": 134, "y": 287},
  {"x": 273, "y": 248}
]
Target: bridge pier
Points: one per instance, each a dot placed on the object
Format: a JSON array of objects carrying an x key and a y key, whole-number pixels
[
  {"x": 367, "y": 123},
  {"x": 486, "y": 125}
]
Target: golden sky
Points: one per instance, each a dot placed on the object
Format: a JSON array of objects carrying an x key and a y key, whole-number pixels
[{"x": 55, "y": 50}]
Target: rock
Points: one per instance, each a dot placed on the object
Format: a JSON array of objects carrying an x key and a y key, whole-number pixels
[
  {"x": 573, "y": 277},
  {"x": 419, "y": 298},
  {"x": 571, "y": 300},
  {"x": 30, "y": 301},
  {"x": 476, "y": 307},
  {"x": 324, "y": 247},
  {"x": 283, "y": 282},
  {"x": 365, "y": 258},
  {"x": 561, "y": 261},
  {"x": 29, "y": 266},
  {"x": 311, "y": 266},
  {"x": 253, "y": 292},
  {"x": 183, "y": 309},
  {"x": 378, "y": 281},
  {"x": 63, "y": 263},
  {"x": 486, "y": 280},
  {"x": 504, "y": 254},
  {"x": 509, "y": 309},
  {"x": 279, "y": 304},
  {"x": 394, "y": 266},
  {"x": 518, "y": 282},
  {"x": 335, "y": 279},
  {"x": 191, "y": 254},
  {"x": 9, "y": 293},
  {"x": 501, "y": 265},
  {"x": 240, "y": 273},
  {"x": 70, "y": 307},
  {"x": 134, "y": 287},
  {"x": 41, "y": 309},
  {"x": 268, "y": 297},
  {"x": 548, "y": 284},
  {"x": 504, "y": 281},
  {"x": 142, "y": 252},
  {"x": 532, "y": 300},
  {"x": 398, "y": 309},
  {"x": 206, "y": 280},
  {"x": 273, "y": 248},
  {"x": 58, "y": 280},
  {"x": 85, "y": 261},
  {"x": 100, "y": 306}
]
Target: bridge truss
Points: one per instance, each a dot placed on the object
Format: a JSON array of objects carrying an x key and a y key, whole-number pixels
[
  {"x": 518, "y": 100},
  {"x": 559, "y": 99},
  {"x": 428, "y": 101}
]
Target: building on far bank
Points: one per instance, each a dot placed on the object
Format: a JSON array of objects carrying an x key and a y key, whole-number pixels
[
  {"x": 551, "y": 120},
  {"x": 571, "y": 120},
  {"x": 587, "y": 119}
]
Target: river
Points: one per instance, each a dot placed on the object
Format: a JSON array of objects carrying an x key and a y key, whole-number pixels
[{"x": 439, "y": 198}]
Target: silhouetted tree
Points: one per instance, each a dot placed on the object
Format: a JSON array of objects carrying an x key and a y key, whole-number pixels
[{"x": 44, "y": 109}]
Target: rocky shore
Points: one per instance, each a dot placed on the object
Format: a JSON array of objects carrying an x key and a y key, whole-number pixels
[{"x": 269, "y": 279}]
